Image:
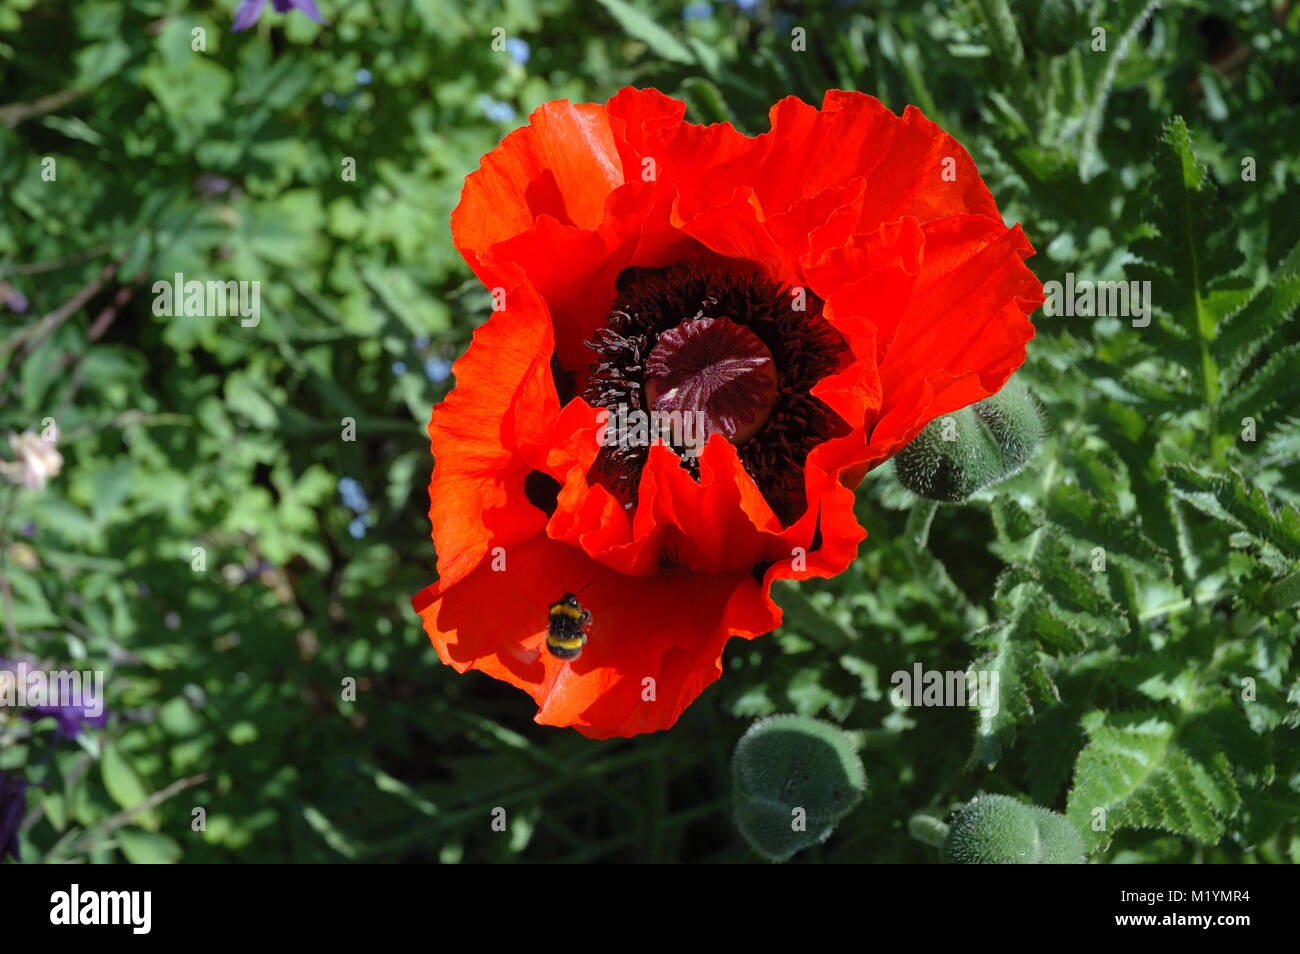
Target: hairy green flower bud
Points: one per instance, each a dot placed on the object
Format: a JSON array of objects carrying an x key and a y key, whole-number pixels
[
  {"x": 962, "y": 453},
  {"x": 998, "y": 830},
  {"x": 794, "y": 779}
]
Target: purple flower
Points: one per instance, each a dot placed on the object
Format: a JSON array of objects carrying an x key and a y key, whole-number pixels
[
  {"x": 71, "y": 718},
  {"x": 13, "y": 805},
  {"x": 250, "y": 11},
  {"x": 14, "y": 299}
]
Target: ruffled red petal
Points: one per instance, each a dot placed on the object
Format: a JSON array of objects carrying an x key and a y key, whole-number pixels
[
  {"x": 654, "y": 643},
  {"x": 502, "y": 407},
  {"x": 949, "y": 301}
]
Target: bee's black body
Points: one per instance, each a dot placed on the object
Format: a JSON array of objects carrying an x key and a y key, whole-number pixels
[{"x": 566, "y": 631}]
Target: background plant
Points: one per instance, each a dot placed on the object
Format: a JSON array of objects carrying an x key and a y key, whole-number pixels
[{"x": 1122, "y": 687}]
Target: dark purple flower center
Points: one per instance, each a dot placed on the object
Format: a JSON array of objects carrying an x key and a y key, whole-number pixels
[{"x": 736, "y": 353}]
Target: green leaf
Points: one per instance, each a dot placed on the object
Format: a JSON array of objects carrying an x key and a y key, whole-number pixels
[
  {"x": 706, "y": 102},
  {"x": 1245, "y": 330},
  {"x": 642, "y": 27},
  {"x": 1013, "y": 654},
  {"x": 1074, "y": 591},
  {"x": 1232, "y": 500},
  {"x": 125, "y": 786},
  {"x": 1189, "y": 249},
  {"x": 147, "y": 848},
  {"x": 1012, "y": 521},
  {"x": 1087, "y": 518},
  {"x": 1089, "y": 156},
  {"x": 1142, "y": 770},
  {"x": 1276, "y": 382}
]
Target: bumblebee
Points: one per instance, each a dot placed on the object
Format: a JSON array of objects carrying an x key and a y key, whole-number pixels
[{"x": 566, "y": 631}]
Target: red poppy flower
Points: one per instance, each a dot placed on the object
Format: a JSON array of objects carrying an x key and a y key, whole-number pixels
[{"x": 811, "y": 298}]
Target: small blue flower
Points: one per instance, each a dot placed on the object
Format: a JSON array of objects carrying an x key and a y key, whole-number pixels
[
  {"x": 495, "y": 109},
  {"x": 399, "y": 368},
  {"x": 420, "y": 342},
  {"x": 436, "y": 369},
  {"x": 697, "y": 11},
  {"x": 518, "y": 50},
  {"x": 746, "y": 5},
  {"x": 363, "y": 77},
  {"x": 354, "y": 498},
  {"x": 357, "y": 528}
]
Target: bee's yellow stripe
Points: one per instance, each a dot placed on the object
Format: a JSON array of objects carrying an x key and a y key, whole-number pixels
[
  {"x": 573, "y": 612},
  {"x": 565, "y": 643}
]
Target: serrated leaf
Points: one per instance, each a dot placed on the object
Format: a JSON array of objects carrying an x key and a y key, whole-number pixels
[
  {"x": 1085, "y": 517},
  {"x": 1013, "y": 654},
  {"x": 1012, "y": 521},
  {"x": 1190, "y": 250},
  {"x": 1074, "y": 590},
  {"x": 1277, "y": 381},
  {"x": 1232, "y": 500},
  {"x": 1143, "y": 770},
  {"x": 1239, "y": 337}
]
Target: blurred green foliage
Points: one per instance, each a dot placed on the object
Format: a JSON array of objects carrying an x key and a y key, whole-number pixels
[{"x": 180, "y": 433}]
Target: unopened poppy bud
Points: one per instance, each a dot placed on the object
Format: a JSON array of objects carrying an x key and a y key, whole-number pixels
[
  {"x": 962, "y": 453},
  {"x": 998, "y": 830},
  {"x": 794, "y": 779}
]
